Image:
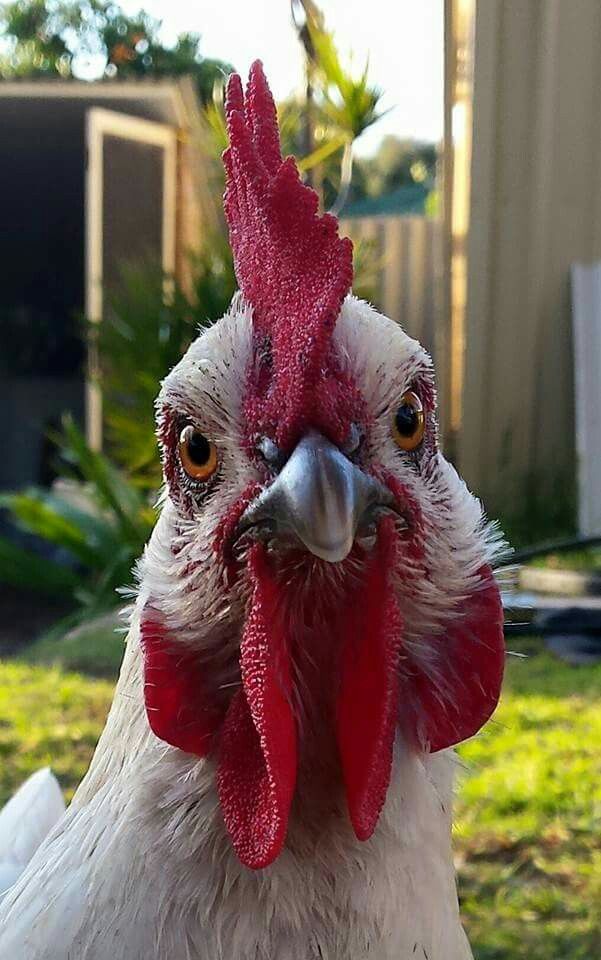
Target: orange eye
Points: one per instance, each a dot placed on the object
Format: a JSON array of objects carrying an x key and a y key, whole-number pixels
[
  {"x": 409, "y": 422},
  {"x": 197, "y": 454}
]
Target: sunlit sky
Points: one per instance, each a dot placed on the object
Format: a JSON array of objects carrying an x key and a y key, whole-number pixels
[{"x": 403, "y": 39}]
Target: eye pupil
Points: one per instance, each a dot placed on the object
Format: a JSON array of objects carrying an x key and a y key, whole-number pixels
[
  {"x": 409, "y": 422},
  {"x": 406, "y": 420},
  {"x": 198, "y": 456},
  {"x": 199, "y": 448}
]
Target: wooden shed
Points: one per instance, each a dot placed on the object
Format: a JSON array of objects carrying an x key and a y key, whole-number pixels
[{"x": 92, "y": 176}]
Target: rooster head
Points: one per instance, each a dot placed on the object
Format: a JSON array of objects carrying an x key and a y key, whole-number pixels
[{"x": 319, "y": 584}]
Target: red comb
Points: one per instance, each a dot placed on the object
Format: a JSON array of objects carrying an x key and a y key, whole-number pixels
[{"x": 291, "y": 265}]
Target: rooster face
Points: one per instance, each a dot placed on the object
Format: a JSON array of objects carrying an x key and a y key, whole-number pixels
[
  {"x": 319, "y": 584},
  {"x": 338, "y": 588}
]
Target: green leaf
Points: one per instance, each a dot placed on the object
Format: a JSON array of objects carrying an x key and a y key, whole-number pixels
[
  {"x": 43, "y": 520},
  {"x": 110, "y": 488},
  {"x": 22, "y": 568},
  {"x": 322, "y": 153},
  {"x": 348, "y": 103}
]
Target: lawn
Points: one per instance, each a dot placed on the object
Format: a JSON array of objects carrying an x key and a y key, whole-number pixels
[
  {"x": 48, "y": 718},
  {"x": 528, "y": 823},
  {"x": 528, "y": 820}
]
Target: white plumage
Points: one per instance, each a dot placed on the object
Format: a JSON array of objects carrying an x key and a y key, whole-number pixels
[
  {"x": 25, "y": 822},
  {"x": 141, "y": 865}
]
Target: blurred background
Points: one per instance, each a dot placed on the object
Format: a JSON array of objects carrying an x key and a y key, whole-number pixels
[{"x": 459, "y": 143}]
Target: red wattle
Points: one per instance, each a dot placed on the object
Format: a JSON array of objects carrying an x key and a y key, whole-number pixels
[
  {"x": 258, "y": 744},
  {"x": 257, "y": 740},
  {"x": 368, "y": 701},
  {"x": 178, "y": 708},
  {"x": 470, "y": 660}
]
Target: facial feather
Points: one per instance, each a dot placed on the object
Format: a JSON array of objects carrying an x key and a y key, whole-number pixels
[
  {"x": 200, "y": 592},
  {"x": 318, "y": 559}
]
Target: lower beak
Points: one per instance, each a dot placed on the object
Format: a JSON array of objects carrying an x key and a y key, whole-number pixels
[{"x": 321, "y": 499}]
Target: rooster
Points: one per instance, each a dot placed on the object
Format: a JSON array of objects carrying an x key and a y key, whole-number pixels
[{"x": 317, "y": 621}]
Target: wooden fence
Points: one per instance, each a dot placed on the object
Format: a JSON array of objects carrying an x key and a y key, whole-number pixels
[{"x": 399, "y": 261}]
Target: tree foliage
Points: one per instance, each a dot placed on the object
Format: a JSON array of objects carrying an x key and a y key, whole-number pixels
[
  {"x": 95, "y": 525},
  {"x": 344, "y": 104},
  {"x": 69, "y": 38},
  {"x": 398, "y": 163},
  {"x": 143, "y": 335}
]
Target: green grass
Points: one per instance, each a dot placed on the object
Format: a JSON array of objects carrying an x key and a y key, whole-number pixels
[
  {"x": 528, "y": 818},
  {"x": 587, "y": 560},
  {"x": 48, "y": 718}
]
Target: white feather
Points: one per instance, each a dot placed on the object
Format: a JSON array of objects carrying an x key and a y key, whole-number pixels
[
  {"x": 25, "y": 821},
  {"x": 141, "y": 866}
]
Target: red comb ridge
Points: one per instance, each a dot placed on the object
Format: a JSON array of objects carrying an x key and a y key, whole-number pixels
[{"x": 291, "y": 265}]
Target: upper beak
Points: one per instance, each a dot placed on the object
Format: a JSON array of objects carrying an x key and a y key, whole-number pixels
[{"x": 321, "y": 498}]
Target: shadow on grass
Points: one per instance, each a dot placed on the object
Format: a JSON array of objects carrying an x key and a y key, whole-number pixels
[{"x": 95, "y": 648}]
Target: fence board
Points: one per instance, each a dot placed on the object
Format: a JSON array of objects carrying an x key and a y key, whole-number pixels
[{"x": 408, "y": 286}]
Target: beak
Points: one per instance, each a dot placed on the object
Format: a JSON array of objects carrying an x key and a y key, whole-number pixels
[{"x": 321, "y": 499}]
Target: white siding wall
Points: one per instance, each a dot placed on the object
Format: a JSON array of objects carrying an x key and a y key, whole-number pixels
[{"x": 535, "y": 209}]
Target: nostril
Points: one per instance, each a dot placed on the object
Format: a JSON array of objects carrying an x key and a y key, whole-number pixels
[
  {"x": 270, "y": 453},
  {"x": 353, "y": 441}
]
